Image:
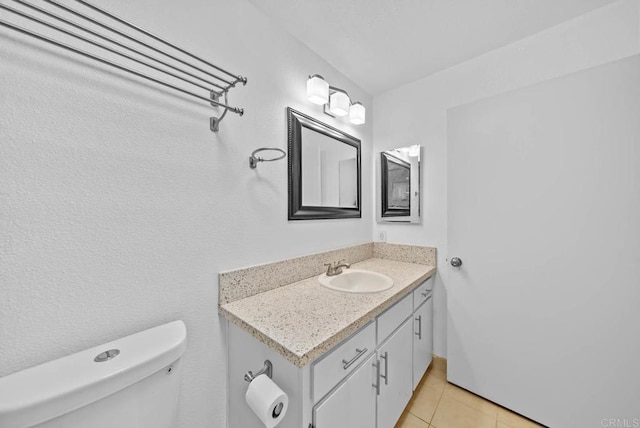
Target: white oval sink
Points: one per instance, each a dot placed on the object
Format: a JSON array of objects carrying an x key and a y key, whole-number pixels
[{"x": 357, "y": 281}]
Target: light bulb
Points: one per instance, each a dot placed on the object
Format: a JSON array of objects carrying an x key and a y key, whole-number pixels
[
  {"x": 339, "y": 103},
  {"x": 317, "y": 90},
  {"x": 357, "y": 113}
]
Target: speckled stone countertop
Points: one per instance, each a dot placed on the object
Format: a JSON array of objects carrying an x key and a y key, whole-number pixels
[{"x": 303, "y": 320}]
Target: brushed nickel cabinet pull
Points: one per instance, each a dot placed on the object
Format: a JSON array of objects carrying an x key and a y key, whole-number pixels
[
  {"x": 419, "y": 333},
  {"x": 359, "y": 353},
  {"x": 377, "y": 384},
  {"x": 386, "y": 368}
]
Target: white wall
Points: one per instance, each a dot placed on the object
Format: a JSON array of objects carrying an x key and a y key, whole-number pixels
[
  {"x": 416, "y": 113},
  {"x": 118, "y": 206}
]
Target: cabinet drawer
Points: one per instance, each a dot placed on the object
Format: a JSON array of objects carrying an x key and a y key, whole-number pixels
[
  {"x": 335, "y": 366},
  {"x": 391, "y": 319},
  {"x": 422, "y": 293},
  {"x": 352, "y": 404}
]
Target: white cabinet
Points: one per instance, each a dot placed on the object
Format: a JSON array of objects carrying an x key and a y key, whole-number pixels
[
  {"x": 422, "y": 339},
  {"x": 364, "y": 382},
  {"x": 390, "y": 320},
  {"x": 396, "y": 375},
  {"x": 352, "y": 404},
  {"x": 422, "y": 293},
  {"x": 328, "y": 371}
]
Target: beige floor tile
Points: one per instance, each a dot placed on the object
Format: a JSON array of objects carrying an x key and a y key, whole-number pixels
[
  {"x": 503, "y": 425},
  {"x": 514, "y": 420},
  {"x": 438, "y": 373},
  {"x": 434, "y": 379},
  {"x": 424, "y": 402},
  {"x": 439, "y": 364},
  {"x": 407, "y": 420},
  {"x": 435, "y": 383},
  {"x": 470, "y": 399},
  {"x": 431, "y": 378},
  {"x": 453, "y": 414}
]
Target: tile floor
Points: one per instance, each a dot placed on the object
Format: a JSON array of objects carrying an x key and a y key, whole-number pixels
[{"x": 439, "y": 404}]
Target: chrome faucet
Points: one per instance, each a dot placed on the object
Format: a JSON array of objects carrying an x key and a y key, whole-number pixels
[{"x": 335, "y": 268}]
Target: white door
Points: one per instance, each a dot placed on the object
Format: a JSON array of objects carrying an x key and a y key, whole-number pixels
[
  {"x": 544, "y": 213},
  {"x": 422, "y": 340},
  {"x": 352, "y": 404},
  {"x": 396, "y": 374}
]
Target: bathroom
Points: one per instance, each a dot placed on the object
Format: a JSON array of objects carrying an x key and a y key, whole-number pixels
[{"x": 120, "y": 207}]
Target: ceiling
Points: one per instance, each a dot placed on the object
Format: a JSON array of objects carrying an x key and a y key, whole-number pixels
[{"x": 383, "y": 44}]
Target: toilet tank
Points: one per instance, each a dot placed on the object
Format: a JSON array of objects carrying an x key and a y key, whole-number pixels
[{"x": 131, "y": 382}]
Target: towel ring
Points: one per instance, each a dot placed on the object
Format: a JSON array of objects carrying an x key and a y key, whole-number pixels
[{"x": 253, "y": 160}]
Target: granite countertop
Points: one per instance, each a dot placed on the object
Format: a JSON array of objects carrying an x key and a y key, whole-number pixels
[{"x": 303, "y": 320}]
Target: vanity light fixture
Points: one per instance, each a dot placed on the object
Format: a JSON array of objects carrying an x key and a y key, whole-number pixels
[
  {"x": 412, "y": 151},
  {"x": 317, "y": 90},
  {"x": 339, "y": 103},
  {"x": 356, "y": 113},
  {"x": 336, "y": 101}
]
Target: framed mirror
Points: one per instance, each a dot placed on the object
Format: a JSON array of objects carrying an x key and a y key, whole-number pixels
[
  {"x": 399, "y": 185},
  {"x": 324, "y": 170}
]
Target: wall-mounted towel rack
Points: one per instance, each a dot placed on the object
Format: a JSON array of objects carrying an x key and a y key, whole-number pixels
[
  {"x": 253, "y": 159},
  {"x": 215, "y": 80}
]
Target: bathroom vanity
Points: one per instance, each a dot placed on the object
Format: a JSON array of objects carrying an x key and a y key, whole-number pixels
[
  {"x": 395, "y": 350},
  {"x": 344, "y": 359}
]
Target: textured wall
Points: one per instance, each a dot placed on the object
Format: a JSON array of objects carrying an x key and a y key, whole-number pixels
[
  {"x": 417, "y": 113},
  {"x": 118, "y": 207}
]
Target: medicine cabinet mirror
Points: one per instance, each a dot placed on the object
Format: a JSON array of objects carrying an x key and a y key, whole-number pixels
[
  {"x": 324, "y": 170},
  {"x": 399, "y": 185}
]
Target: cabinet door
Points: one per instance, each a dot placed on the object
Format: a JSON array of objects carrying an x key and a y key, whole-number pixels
[
  {"x": 422, "y": 340},
  {"x": 396, "y": 375},
  {"x": 352, "y": 404}
]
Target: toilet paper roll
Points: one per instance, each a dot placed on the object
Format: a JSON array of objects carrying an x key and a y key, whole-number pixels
[{"x": 267, "y": 400}]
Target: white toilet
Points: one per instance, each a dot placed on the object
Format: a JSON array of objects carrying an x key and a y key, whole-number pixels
[{"x": 131, "y": 382}]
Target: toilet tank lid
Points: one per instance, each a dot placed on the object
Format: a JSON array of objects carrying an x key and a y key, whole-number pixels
[{"x": 41, "y": 393}]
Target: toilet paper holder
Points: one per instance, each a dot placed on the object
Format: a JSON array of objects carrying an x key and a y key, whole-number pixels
[{"x": 266, "y": 369}]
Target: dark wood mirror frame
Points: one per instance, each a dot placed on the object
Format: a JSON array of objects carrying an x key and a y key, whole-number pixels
[
  {"x": 295, "y": 122},
  {"x": 385, "y": 159}
]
